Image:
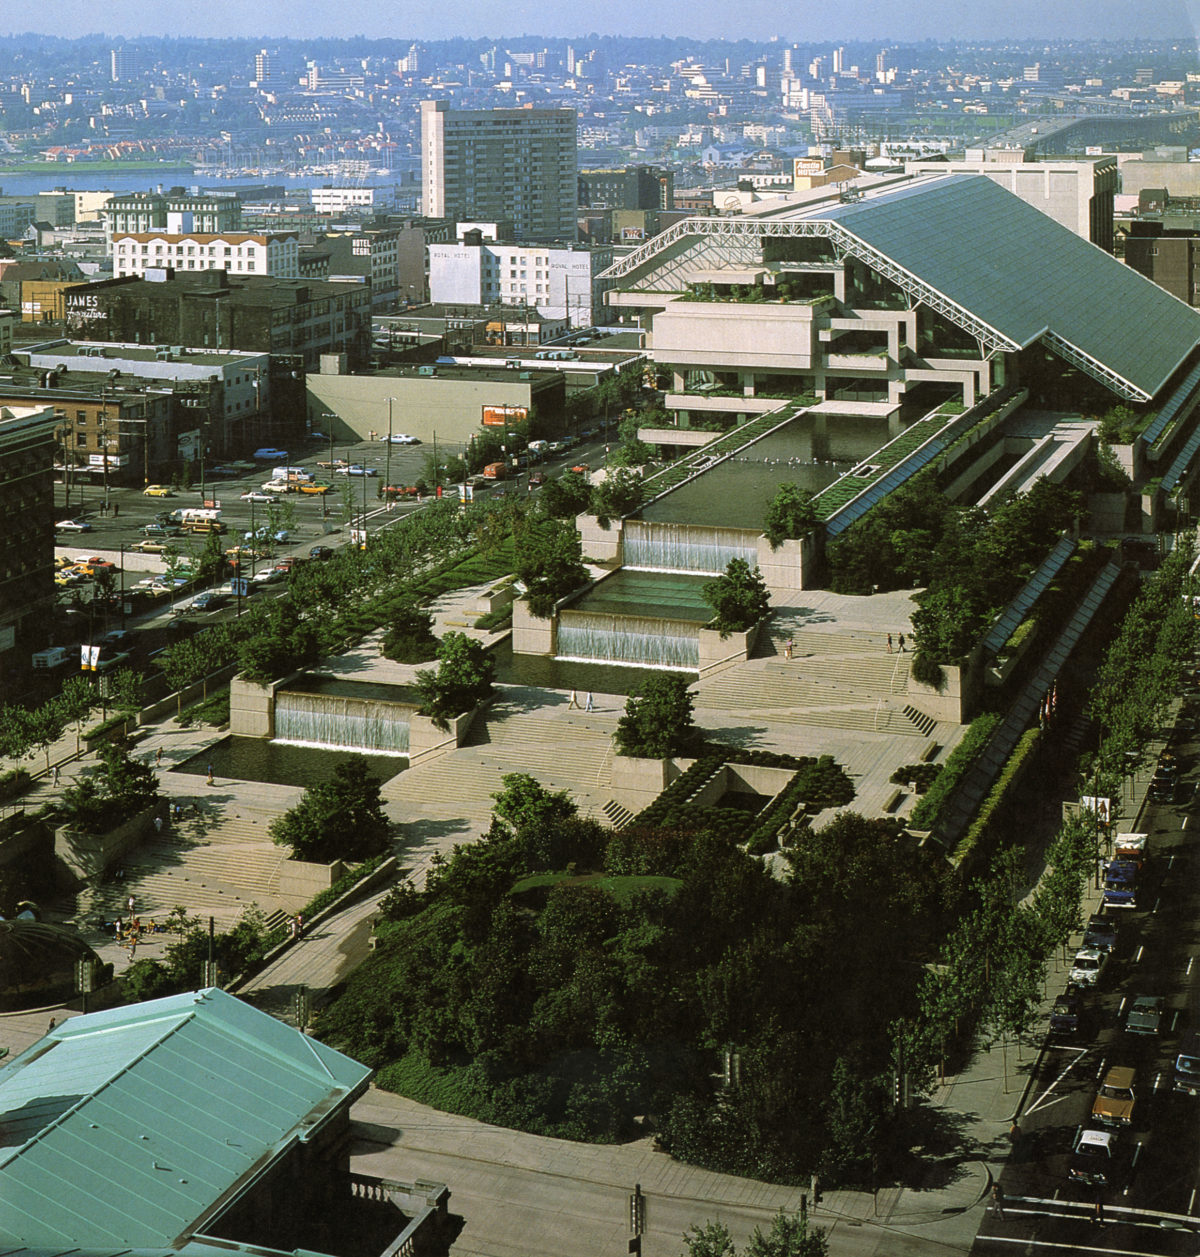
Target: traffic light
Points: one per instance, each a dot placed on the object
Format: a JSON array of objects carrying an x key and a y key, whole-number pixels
[{"x": 637, "y": 1211}]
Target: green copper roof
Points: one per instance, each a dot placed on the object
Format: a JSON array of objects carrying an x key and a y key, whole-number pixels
[
  {"x": 124, "y": 1128},
  {"x": 1024, "y": 275}
]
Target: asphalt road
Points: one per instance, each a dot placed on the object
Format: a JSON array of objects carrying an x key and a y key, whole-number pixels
[{"x": 1158, "y": 1211}]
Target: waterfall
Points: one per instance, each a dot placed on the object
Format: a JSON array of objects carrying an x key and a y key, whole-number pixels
[
  {"x": 699, "y": 548},
  {"x": 641, "y": 641},
  {"x": 351, "y": 724}
]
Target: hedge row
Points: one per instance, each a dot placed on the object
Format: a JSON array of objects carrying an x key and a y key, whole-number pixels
[
  {"x": 925, "y": 814},
  {"x": 821, "y": 783},
  {"x": 1025, "y": 747}
]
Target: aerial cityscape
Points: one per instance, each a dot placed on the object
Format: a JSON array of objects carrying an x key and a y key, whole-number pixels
[{"x": 599, "y": 630}]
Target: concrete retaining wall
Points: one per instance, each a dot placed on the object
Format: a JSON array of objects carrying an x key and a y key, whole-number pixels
[
  {"x": 718, "y": 652},
  {"x": 637, "y": 782},
  {"x": 252, "y": 707},
  {"x": 786, "y": 567},
  {"x": 600, "y": 545}
]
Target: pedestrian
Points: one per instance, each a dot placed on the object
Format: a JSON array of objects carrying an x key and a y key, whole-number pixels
[
  {"x": 299, "y": 924},
  {"x": 53, "y": 1023},
  {"x": 1098, "y": 1212},
  {"x": 210, "y": 781},
  {"x": 158, "y": 758},
  {"x": 573, "y": 702},
  {"x": 116, "y": 509},
  {"x": 814, "y": 1187},
  {"x": 295, "y": 928},
  {"x": 158, "y": 824},
  {"x": 889, "y": 643},
  {"x": 57, "y": 774},
  {"x": 900, "y": 643},
  {"x": 998, "y": 1200},
  {"x": 129, "y": 904},
  {"x": 787, "y": 650},
  {"x": 120, "y": 934},
  {"x": 589, "y": 703},
  {"x": 1014, "y": 1132}
]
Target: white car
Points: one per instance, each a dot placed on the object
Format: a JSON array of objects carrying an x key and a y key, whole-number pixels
[
  {"x": 72, "y": 525},
  {"x": 402, "y": 438},
  {"x": 355, "y": 469},
  {"x": 268, "y": 576},
  {"x": 257, "y": 495},
  {"x": 277, "y": 486},
  {"x": 1087, "y": 966}
]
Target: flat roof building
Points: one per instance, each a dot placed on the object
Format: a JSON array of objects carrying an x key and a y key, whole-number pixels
[{"x": 518, "y": 164}]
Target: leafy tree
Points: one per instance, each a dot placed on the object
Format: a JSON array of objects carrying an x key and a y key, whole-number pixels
[
  {"x": 117, "y": 789},
  {"x": 658, "y": 722},
  {"x": 342, "y": 819},
  {"x": 738, "y": 596},
  {"x": 525, "y": 801},
  {"x": 566, "y": 496},
  {"x": 549, "y": 562},
  {"x": 211, "y": 563},
  {"x": 790, "y": 515},
  {"x": 281, "y": 643},
  {"x": 410, "y": 637},
  {"x": 618, "y": 494},
  {"x": 462, "y": 681},
  {"x": 709, "y": 1239},
  {"x": 789, "y": 1236}
]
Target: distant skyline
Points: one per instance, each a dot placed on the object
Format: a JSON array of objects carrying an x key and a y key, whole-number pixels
[{"x": 802, "y": 21}]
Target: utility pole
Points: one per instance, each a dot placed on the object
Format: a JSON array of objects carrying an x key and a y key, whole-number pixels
[{"x": 387, "y": 474}]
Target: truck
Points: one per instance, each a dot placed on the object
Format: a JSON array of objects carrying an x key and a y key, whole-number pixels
[
  {"x": 291, "y": 475},
  {"x": 1120, "y": 884},
  {"x": 194, "y": 514},
  {"x": 53, "y": 657},
  {"x": 495, "y": 471}
]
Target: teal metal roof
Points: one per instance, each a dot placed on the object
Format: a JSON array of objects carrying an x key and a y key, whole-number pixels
[
  {"x": 125, "y": 1127},
  {"x": 1024, "y": 275}
]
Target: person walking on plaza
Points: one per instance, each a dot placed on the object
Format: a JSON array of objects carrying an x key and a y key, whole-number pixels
[
  {"x": 900, "y": 643},
  {"x": 573, "y": 702},
  {"x": 57, "y": 774},
  {"x": 998, "y": 1200},
  {"x": 889, "y": 643},
  {"x": 158, "y": 758},
  {"x": 210, "y": 781},
  {"x": 787, "y": 650},
  {"x": 589, "y": 703}
]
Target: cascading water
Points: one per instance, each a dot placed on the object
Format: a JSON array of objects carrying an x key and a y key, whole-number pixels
[
  {"x": 645, "y": 642},
  {"x": 655, "y": 546},
  {"x": 331, "y": 720}
]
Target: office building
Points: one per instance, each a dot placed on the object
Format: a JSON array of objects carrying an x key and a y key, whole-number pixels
[
  {"x": 214, "y": 310},
  {"x": 560, "y": 282},
  {"x": 239, "y": 253},
  {"x": 175, "y": 211},
  {"x": 27, "y": 590},
  {"x": 262, "y": 67},
  {"x": 123, "y": 64},
  {"x": 633, "y": 188},
  {"x": 515, "y": 164}
]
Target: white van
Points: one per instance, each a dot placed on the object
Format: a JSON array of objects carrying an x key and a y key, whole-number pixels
[{"x": 290, "y": 473}]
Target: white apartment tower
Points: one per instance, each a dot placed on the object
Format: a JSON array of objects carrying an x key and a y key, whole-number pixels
[
  {"x": 514, "y": 164},
  {"x": 262, "y": 67}
]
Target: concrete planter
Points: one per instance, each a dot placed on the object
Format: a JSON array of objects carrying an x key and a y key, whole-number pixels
[
  {"x": 494, "y": 599},
  {"x": 717, "y": 652},
  {"x": 81, "y": 856},
  {"x": 301, "y": 881},
  {"x": 787, "y": 567},
  {"x": 637, "y": 781},
  {"x": 600, "y": 545}
]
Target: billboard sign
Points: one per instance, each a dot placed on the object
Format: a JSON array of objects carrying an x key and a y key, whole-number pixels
[{"x": 504, "y": 416}]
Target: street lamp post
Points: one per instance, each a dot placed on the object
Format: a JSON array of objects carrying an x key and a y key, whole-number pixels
[{"x": 387, "y": 462}]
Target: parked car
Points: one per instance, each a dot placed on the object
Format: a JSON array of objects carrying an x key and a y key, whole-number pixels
[
  {"x": 267, "y": 454},
  {"x": 1101, "y": 933},
  {"x": 402, "y": 438},
  {"x": 357, "y": 469},
  {"x": 1115, "y": 1101},
  {"x": 1067, "y": 1012},
  {"x": 257, "y": 495},
  {"x": 72, "y": 525},
  {"x": 278, "y": 535},
  {"x": 1097, "y": 1158},
  {"x": 116, "y": 639},
  {"x": 268, "y": 576},
  {"x": 150, "y": 546},
  {"x": 314, "y": 487},
  {"x": 160, "y": 530},
  {"x": 319, "y": 436},
  {"x": 1145, "y": 1015},
  {"x": 157, "y": 491},
  {"x": 321, "y": 552},
  {"x": 1087, "y": 967},
  {"x": 1187, "y": 1065}
]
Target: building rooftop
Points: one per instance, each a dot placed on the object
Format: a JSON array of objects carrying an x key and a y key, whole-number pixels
[{"x": 126, "y": 1128}]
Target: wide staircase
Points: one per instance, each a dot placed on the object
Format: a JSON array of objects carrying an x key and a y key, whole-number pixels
[
  {"x": 215, "y": 864},
  {"x": 843, "y": 680},
  {"x": 511, "y": 740}
]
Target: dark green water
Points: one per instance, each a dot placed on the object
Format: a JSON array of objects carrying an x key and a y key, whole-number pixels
[{"x": 256, "y": 759}]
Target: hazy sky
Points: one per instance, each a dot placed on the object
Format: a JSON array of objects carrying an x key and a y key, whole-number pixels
[{"x": 792, "y": 20}]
